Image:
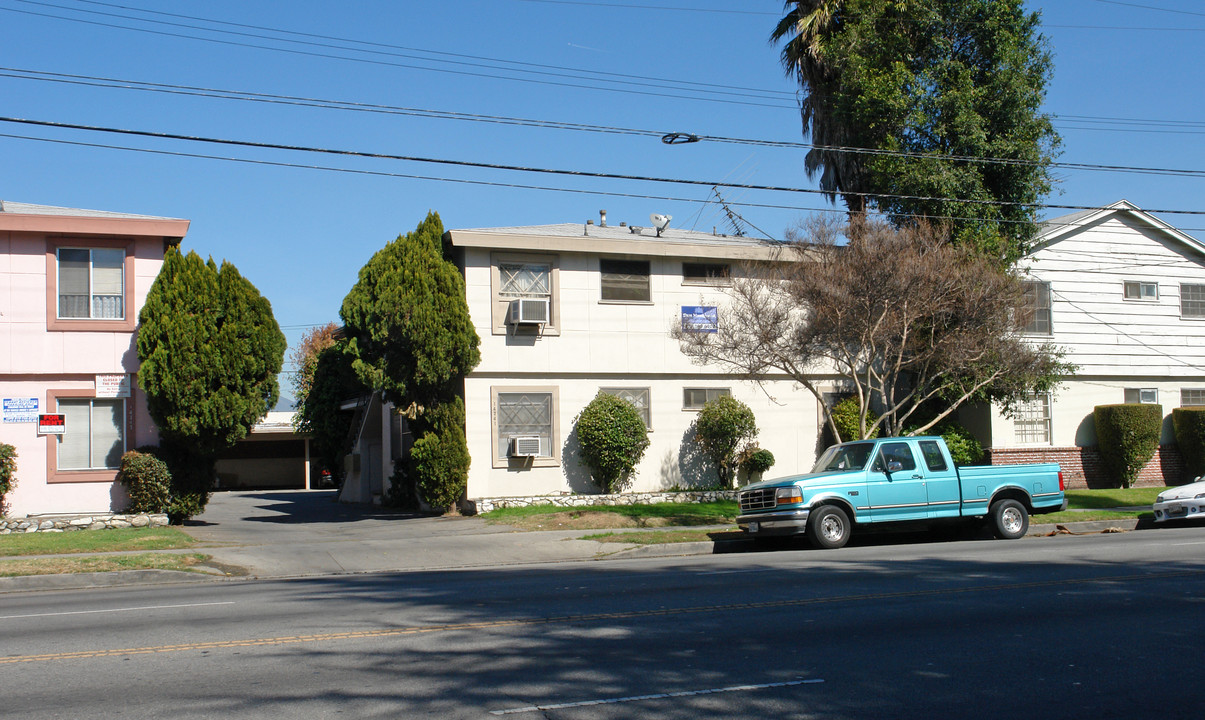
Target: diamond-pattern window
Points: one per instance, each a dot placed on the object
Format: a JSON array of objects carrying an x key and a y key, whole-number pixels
[
  {"x": 638, "y": 397},
  {"x": 525, "y": 414},
  {"x": 525, "y": 280}
]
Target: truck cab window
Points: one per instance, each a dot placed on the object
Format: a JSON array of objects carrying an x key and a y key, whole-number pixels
[{"x": 933, "y": 457}]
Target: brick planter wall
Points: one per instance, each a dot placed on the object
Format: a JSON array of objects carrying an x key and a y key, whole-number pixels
[{"x": 1083, "y": 467}]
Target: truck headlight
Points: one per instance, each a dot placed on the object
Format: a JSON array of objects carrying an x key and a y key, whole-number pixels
[{"x": 788, "y": 496}]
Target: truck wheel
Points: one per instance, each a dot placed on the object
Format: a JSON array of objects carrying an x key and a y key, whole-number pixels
[
  {"x": 828, "y": 527},
  {"x": 1009, "y": 519}
]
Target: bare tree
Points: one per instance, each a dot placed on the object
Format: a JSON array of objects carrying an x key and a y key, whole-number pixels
[{"x": 901, "y": 316}]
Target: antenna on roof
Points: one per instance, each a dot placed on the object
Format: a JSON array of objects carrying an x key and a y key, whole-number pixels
[
  {"x": 660, "y": 221},
  {"x": 737, "y": 222}
]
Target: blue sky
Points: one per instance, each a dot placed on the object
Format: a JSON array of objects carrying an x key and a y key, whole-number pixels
[{"x": 1126, "y": 91}]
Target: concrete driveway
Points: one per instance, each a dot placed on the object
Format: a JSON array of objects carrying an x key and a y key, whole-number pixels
[{"x": 282, "y": 533}]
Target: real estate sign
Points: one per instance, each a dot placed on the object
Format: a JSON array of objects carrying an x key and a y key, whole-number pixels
[
  {"x": 20, "y": 410},
  {"x": 52, "y": 424}
]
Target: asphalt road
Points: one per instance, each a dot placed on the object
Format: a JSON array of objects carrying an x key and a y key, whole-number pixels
[{"x": 1102, "y": 626}]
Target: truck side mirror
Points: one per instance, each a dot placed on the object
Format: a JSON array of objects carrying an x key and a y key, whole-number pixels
[{"x": 894, "y": 466}]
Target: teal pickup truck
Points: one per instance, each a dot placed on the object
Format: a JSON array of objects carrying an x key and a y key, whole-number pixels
[{"x": 889, "y": 480}]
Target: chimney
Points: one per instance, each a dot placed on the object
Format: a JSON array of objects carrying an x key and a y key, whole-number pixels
[{"x": 602, "y": 214}]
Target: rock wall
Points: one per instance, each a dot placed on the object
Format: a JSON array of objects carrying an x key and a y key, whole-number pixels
[{"x": 79, "y": 522}]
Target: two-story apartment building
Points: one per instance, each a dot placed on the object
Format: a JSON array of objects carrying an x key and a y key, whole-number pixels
[
  {"x": 71, "y": 285},
  {"x": 1124, "y": 294},
  {"x": 566, "y": 311}
]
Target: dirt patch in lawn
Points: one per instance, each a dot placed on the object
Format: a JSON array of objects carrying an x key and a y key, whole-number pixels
[{"x": 586, "y": 520}]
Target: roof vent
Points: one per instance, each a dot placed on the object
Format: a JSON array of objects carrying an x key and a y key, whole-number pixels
[
  {"x": 602, "y": 218},
  {"x": 635, "y": 229}
]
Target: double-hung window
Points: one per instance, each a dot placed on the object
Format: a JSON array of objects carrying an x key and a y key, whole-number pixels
[
  {"x": 91, "y": 283},
  {"x": 1032, "y": 420},
  {"x": 1192, "y": 301},
  {"x": 93, "y": 434},
  {"x": 1037, "y": 308}
]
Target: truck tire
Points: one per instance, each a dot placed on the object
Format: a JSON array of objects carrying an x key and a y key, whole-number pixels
[
  {"x": 828, "y": 527},
  {"x": 1009, "y": 519}
]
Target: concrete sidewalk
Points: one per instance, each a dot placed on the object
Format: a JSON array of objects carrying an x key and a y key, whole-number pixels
[{"x": 281, "y": 534}]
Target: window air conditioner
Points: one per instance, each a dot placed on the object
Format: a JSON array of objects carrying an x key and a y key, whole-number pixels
[
  {"x": 528, "y": 312},
  {"x": 525, "y": 446}
]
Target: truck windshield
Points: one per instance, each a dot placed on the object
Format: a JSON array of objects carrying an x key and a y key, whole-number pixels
[{"x": 852, "y": 456}]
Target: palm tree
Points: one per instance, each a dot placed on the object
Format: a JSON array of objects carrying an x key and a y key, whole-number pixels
[{"x": 809, "y": 24}]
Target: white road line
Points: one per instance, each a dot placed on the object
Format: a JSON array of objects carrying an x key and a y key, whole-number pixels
[
  {"x": 114, "y": 610},
  {"x": 657, "y": 696}
]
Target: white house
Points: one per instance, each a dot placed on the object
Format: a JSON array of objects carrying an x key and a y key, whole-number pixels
[
  {"x": 566, "y": 311},
  {"x": 1124, "y": 294}
]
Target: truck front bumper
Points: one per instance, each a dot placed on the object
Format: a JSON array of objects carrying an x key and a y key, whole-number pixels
[{"x": 791, "y": 522}]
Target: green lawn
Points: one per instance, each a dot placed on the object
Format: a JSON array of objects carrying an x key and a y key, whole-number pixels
[
  {"x": 93, "y": 541},
  {"x": 14, "y": 567}
]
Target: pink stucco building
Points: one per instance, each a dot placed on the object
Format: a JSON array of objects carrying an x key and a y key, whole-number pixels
[{"x": 71, "y": 285}]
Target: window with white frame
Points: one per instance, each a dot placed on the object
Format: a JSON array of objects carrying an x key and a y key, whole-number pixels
[
  {"x": 1135, "y": 290},
  {"x": 91, "y": 283},
  {"x": 94, "y": 433},
  {"x": 1031, "y": 422},
  {"x": 1037, "y": 308},
  {"x": 696, "y": 398},
  {"x": 1192, "y": 397},
  {"x": 1192, "y": 301},
  {"x": 637, "y": 397},
  {"x": 524, "y": 415},
  {"x": 1145, "y": 396},
  {"x": 625, "y": 280}
]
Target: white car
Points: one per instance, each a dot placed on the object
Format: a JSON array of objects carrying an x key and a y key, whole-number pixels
[{"x": 1186, "y": 502}]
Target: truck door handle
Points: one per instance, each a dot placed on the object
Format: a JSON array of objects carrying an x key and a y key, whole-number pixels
[{"x": 918, "y": 477}]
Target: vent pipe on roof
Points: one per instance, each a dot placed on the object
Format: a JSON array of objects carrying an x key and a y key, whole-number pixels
[{"x": 602, "y": 214}]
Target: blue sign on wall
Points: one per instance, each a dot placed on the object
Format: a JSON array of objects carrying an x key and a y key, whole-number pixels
[
  {"x": 700, "y": 318},
  {"x": 20, "y": 410}
]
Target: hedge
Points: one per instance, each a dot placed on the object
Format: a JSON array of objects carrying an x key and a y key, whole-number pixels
[
  {"x": 1189, "y": 426},
  {"x": 1127, "y": 437}
]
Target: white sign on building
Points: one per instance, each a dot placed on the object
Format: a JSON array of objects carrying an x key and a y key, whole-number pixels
[{"x": 112, "y": 386}]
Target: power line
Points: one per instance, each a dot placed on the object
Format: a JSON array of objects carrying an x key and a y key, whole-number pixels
[
  {"x": 539, "y": 170},
  {"x": 188, "y": 90},
  {"x": 491, "y": 63}
]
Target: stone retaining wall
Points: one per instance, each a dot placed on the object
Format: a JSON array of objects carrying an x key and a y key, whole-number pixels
[
  {"x": 483, "y": 505},
  {"x": 64, "y": 523}
]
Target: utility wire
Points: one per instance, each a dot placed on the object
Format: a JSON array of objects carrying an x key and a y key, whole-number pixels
[
  {"x": 188, "y": 90},
  {"x": 550, "y": 171}
]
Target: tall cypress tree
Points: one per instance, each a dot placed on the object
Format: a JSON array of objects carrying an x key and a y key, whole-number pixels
[
  {"x": 210, "y": 350},
  {"x": 408, "y": 328}
]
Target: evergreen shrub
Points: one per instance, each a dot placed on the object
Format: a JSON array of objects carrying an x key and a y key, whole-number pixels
[
  {"x": 723, "y": 426},
  {"x": 1127, "y": 437},
  {"x": 845, "y": 417},
  {"x": 148, "y": 482},
  {"x": 756, "y": 460},
  {"x": 1189, "y": 426},
  {"x": 8, "y": 474},
  {"x": 613, "y": 440},
  {"x": 439, "y": 459}
]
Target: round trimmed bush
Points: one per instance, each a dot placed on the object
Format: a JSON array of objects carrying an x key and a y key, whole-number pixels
[
  {"x": 1127, "y": 437},
  {"x": 723, "y": 426},
  {"x": 756, "y": 460},
  {"x": 148, "y": 482},
  {"x": 613, "y": 439}
]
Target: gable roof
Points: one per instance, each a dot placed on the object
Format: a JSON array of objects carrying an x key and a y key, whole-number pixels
[{"x": 1056, "y": 229}]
